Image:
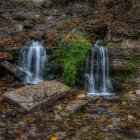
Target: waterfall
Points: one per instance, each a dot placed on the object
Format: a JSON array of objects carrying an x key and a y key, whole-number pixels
[
  {"x": 32, "y": 60},
  {"x": 97, "y": 71}
]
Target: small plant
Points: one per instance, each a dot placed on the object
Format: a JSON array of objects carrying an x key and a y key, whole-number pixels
[{"x": 73, "y": 50}]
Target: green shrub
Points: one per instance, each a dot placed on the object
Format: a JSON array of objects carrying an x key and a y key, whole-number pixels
[{"x": 73, "y": 50}]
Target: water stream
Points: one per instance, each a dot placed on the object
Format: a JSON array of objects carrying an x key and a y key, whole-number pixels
[
  {"x": 97, "y": 71},
  {"x": 33, "y": 59}
]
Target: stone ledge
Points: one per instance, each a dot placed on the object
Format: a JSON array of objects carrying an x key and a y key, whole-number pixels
[{"x": 32, "y": 97}]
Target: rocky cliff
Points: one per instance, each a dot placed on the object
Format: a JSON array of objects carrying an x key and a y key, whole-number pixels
[{"x": 49, "y": 20}]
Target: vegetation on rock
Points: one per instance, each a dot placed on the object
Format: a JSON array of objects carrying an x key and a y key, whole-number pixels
[{"x": 73, "y": 50}]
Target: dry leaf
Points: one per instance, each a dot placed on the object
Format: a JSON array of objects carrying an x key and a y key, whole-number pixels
[
  {"x": 124, "y": 103},
  {"x": 54, "y": 138},
  {"x": 98, "y": 101},
  {"x": 123, "y": 119},
  {"x": 110, "y": 125},
  {"x": 20, "y": 90},
  {"x": 85, "y": 118},
  {"x": 132, "y": 92}
]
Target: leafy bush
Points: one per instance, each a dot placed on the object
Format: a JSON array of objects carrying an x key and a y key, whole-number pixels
[{"x": 73, "y": 50}]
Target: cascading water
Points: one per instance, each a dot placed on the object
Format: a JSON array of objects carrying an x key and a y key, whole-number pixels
[
  {"x": 97, "y": 71},
  {"x": 33, "y": 60}
]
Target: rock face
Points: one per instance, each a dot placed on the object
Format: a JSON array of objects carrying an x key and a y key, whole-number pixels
[
  {"x": 23, "y": 20},
  {"x": 32, "y": 97},
  {"x": 36, "y": 19},
  {"x": 128, "y": 50},
  {"x": 125, "y": 64}
]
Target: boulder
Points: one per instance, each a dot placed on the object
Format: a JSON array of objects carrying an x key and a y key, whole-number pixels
[
  {"x": 33, "y": 97},
  {"x": 15, "y": 70}
]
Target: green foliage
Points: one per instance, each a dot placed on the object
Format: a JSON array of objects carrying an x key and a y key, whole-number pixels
[{"x": 73, "y": 50}]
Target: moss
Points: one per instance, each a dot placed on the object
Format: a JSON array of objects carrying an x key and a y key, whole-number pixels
[
  {"x": 125, "y": 77},
  {"x": 11, "y": 58}
]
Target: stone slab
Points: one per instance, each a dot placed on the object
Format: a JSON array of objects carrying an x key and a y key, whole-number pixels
[
  {"x": 72, "y": 107},
  {"x": 32, "y": 97}
]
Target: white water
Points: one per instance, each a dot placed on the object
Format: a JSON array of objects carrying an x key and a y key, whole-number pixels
[
  {"x": 97, "y": 71},
  {"x": 32, "y": 60}
]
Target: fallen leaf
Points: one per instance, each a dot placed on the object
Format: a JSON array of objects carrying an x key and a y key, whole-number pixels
[
  {"x": 54, "y": 138},
  {"x": 19, "y": 131},
  {"x": 20, "y": 90},
  {"x": 124, "y": 103},
  {"x": 74, "y": 97},
  {"x": 104, "y": 135},
  {"x": 98, "y": 101},
  {"x": 123, "y": 119},
  {"x": 110, "y": 125},
  {"x": 132, "y": 92},
  {"x": 85, "y": 118}
]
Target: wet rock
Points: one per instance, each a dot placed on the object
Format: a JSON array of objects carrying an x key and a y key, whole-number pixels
[
  {"x": 57, "y": 108},
  {"x": 114, "y": 98},
  {"x": 81, "y": 96},
  {"x": 20, "y": 27},
  {"x": 126, "y": 134},
  {"x": 60, "y": 135},
  {"x": 57, "y": 117},
  {"x": 131, "y": 118},
  {"x": 72, "y": 107},
  {"x": 131, "y": 99}
]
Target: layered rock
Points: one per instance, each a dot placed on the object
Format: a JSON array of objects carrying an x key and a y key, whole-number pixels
[
  {"x": 128, "y": 50},
  {"x": 125, "y": 63}
]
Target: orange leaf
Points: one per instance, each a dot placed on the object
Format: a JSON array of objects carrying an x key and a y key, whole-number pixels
[
  {"x": 98, "y": 101},
  {"x": 74, "y": 97},
  {"x": 20, "y": 90},
  {"x": 124, "y": 103},
  {"x": 54, "y": 138},
  {"x": 132, "y": 92}
]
